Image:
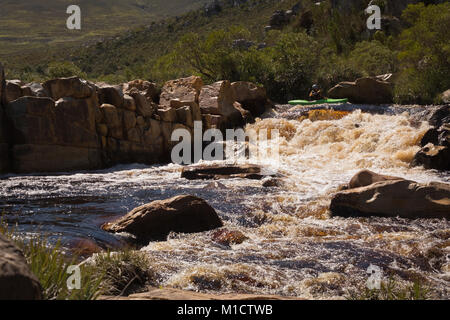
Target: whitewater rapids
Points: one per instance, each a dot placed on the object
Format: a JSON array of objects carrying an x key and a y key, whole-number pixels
[{"x": 294, "y": 247}]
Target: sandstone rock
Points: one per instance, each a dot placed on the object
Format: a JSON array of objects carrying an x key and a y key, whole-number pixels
[
  {"x": 392, "y": 198},
  {"x": 154, "y": 221},
  {"x": 433, "y": 157},
  {"x": 211, "y": 121},
  {"x": 155, "y": 128},
  {"x": 133, "y": 135},
  {"x": 13, "y": 90},
  {"x": 217, "y": 99},
  {"x": 250, "y": 96},
  {"x": 228, "y": 237},
  {"x": 73, "y": 87},
  {"x": 365, "y": 178},
  {"x": 129, "y": 120},
  {"x": 112, "y": 95},
  {"x": 143, "y": 105},
  {"x": 17, "y": 282},
  {"x": 129, "y": 103},
  {"x": 75, "y": 122},
  {"x": 371, "y": 90},
  {"x": 113, "y": 120},
  {"x": 32, "y": 120},
  {"x": 168, "y": 114},
  {"x": 147, "y": 89},
  {"x": 184, "y": 116},
  {"x": 185, "y": 89},
  {"x": 32, "y": 158},
  {"x": 209, "y": 172},
  {"x": 195, "y": 108}
]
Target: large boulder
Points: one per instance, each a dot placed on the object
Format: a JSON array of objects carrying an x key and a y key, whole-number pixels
[
  {"x": 392, "y": 198},
  {"x": 154, "y": 221},
  {"x": 370, "y": 90},
  {"x": 252, "y": 97},
  {"x": 17, "y": 282},
  {"x": 148, "y": 89},
  {"x": 73, "y": 87},
  {"x": 185, "y": 89},
  {"x": 218, "y": 99}
]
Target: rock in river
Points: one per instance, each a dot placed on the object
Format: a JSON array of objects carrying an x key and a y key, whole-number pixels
[
  {"x": 210, "y": 172},
  {"x": 392, "y": 198},
  {"x": 155, "y": 220}
]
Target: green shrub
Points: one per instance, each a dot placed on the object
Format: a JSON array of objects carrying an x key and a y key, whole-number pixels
[
  {"x": 392, "y": 290},
  {"x": 373, "y": 58},
  {"x": 63, "y": 70},
  {"x": 425, "y": 54}
]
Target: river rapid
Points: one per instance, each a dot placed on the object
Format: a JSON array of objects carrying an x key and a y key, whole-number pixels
[{"x": 294, "y": 248}]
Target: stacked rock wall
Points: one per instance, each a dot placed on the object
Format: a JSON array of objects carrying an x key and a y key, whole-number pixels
[{"x": 72, "y": 124}]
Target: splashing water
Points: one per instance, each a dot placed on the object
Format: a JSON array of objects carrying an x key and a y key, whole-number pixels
[{"x": 294, "y": 247}]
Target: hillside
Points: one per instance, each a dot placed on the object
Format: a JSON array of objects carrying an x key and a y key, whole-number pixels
[
  {"x": 28, "y": 25},
  {"x": 307, "y": 42}
]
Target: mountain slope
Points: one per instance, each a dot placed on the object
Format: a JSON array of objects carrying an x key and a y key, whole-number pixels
[{"x": 29, "y": 24}]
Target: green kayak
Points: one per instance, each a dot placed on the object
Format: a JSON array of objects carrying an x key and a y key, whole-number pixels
[{"x": 311, "y": 103}]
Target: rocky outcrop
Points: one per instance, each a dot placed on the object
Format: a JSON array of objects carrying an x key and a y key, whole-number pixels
[
  {"x": 435, "y": 152},
  {"x": 17, "y": 282},
  {"x": 71, "y": 124},
  {"x": 209, "y": 172},
  {"x": 392, "y": 197},
  {"x": 370, "y": 90},
  {"x": 185, "y": 89},
  {"x": 218, "y": 99},
  {"x": 154, "y": 221}
]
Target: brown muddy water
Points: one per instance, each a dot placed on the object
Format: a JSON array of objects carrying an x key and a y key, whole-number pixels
[{"x": 294, "y": 248}]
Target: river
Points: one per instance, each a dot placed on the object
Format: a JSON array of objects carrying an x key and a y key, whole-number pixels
[{"x": 294, "y": 247}]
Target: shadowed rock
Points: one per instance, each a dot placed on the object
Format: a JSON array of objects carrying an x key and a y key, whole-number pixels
[
  {"x": 17, "y": 282},
  {"x": 207, "y": 172},
  {"x": 154, "y": 221}
]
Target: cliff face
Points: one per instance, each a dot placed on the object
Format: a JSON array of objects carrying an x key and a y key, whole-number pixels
[{"x": 72, "y": 124}]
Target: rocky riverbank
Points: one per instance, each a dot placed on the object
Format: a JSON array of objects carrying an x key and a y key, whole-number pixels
[{"x": 73, "y": 124}]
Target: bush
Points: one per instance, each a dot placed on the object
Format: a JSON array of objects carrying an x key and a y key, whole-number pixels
[
  {"x": 373, "y": 58},
  {"x": 425, "y": 54},
  {"x": 64, "y": 70}
]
